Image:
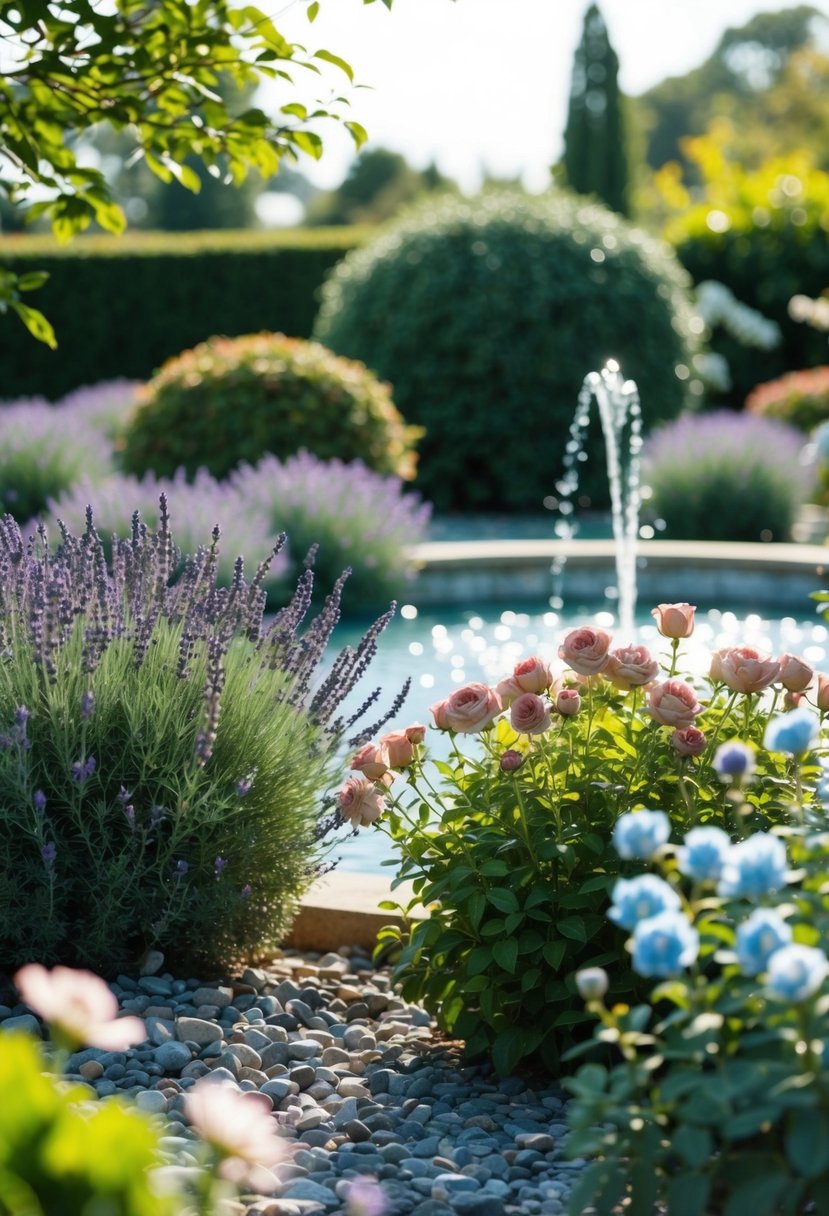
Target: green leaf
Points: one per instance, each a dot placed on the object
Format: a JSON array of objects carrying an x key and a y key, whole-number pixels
[
  {"x": 32, "y": 280},
  {"x": 312, "y": 10},
  {"x": 694, "y": 1144},
  {"x": 758, "y": 1196},
  {"x": 330, "y": 57},
  {"x": 308, "y": 142},
  {"x": 554, "y": 953},
  {"x": 357, "y": 132},
  {"x": 572, "y": 927},
  {"x": 687, "y": 1195},
  {"x": 503, "y": 899},
  {"x": 807, "y": 1142},
  {"x": 36, "y": 323},
  {"x": 505, "y": 954},
  {"x": 478, "y": 960}
]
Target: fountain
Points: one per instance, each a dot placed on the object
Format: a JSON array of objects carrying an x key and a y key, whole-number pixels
[{"x": 621, "y": 421}]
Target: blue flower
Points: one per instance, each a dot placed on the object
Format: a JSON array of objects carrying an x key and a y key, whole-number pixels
[
  {"x": 734, "y": 761},
  {"x": 754, "y": 867},
  {"x": 640, "y": 833},
  {"x": 702, "y": 853},
  {"x": 792, "y": 733},
  {"x": 636, "y": 899},
  {"x": 758, "y": 937},
  {"x": 795, "y": 973},
  {"x": 663, "y": 945}
]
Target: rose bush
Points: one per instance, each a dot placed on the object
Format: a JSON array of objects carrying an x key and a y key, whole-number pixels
[{"x": 515, "y": 842}]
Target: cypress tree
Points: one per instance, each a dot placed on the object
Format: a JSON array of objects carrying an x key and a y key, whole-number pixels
[{"x": 595, "y": 146}]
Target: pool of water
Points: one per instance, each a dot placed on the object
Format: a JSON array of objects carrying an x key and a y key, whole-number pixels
[{"x": 442, "y": 649}]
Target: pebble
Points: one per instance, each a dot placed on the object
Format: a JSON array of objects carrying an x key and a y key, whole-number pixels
[{"x": 343, "y": 1062}]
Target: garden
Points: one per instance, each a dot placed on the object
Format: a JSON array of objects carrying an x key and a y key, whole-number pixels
[{"x": 603, "y": 986}]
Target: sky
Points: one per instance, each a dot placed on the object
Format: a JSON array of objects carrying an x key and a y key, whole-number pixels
[{"x": 482, "y": 85}]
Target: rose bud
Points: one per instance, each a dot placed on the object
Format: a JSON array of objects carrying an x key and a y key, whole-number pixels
[
  {"x": 371, "y": 760},
  {"x": 822, "y": 692},
  {"x": 398, "y": 748},
  {"x": 416, "y": 733},
  {"x": 592, "y": 983},
  {"x": 568, "y": 702},
  {"x": 795, "y": 675},
  {"x": 530, "y": 715},
  {"x": 688, "y": 742},
  {"x": 674, "y": 620},
  {"x": 511, "y": 760},
  {"x": 468, "y": 709},
  {"x": 674, "y": 703}
]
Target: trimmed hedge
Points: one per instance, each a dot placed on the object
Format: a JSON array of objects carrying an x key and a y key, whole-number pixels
[{"x": 121, "y": 306}]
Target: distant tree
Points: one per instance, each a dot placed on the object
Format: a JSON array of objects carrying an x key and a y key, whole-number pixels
[
  {"x": 595, "y": 146},
  {"x": 378, "y": 183},
  {"x": 748, "y": 63}
]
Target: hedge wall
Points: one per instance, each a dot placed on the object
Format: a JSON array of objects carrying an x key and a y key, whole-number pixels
[{"x": 121, "y": 306}]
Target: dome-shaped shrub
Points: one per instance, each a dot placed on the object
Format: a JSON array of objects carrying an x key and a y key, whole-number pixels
[
  {"x": 800, "y": 398},
  {"x": 230, "y": 400},
  {"x": 486, "y": 315}
]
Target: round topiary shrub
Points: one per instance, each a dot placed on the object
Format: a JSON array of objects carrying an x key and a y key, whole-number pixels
[
  {"x": 230, "y": 400},
  {"x": 799, "y": 398},
  {"x": 486, "y": 315},
  {"x": 726, "y": 476}
]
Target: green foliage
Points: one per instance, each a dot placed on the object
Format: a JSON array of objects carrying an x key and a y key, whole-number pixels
[
  {"x": 719, "y": 1100},
  {"x": 697, "y": 463},
  {"x": 513, "y": 867},
  {"x": 595, "y": 149},
  {"x": 799, "y": 398},
  {"x": 486, "y": 315},
  {"x": 152, "y": 70},
  {"x": 231, "y": 400},
  {"x": 64, "y": 1154},
  {"x": 160, "y": 295},
  {"x": 378, "y": 184},
  {"x": 762, "y": 234},
  {"x": 163, "y": 758}
]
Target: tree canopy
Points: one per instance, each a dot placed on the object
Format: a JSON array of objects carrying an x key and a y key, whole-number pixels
[{"x": 152, "y": 71}]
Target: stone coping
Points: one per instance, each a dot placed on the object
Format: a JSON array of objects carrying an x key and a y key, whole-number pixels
[
  {"x": 343, "y": 909},
  {"x": 779, "y": 576}
]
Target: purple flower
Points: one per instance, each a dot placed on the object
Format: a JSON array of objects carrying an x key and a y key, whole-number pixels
[
  {"x": 21, "y": 715},
  {"x": 181, "y": 869},
  {"x": 87, "y": 704},
  {"x": 90, "y": 766},
  {"x": 157, "y": 813},
  {"x": 245, "y": 785},
  {"x": 129, "y": 811},
  {"x": 39, "y": 802},
  {"x": 124, "y": 794},
  {"x": 247, "y": 891},
  {"x": 219, "y": 864},
  {"x": 82, "y": 769},
  {"x": 49, "y": 852}
]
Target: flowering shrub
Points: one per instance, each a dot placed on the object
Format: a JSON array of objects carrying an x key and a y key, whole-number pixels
[
  {"x": 357, "y": 517},
  {"x": 699, "y": 462},
  {"x": 513, "y": 845},
  {"x": 164, "y": 754},
  {"x": 719, "y": 1099},
  {"x": 230, "y": 400},
  {"x": 799, "y": 398}
]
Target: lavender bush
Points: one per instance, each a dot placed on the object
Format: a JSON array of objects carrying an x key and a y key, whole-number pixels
[
  {"x": 357, "y": 517},
  {"x": 701, "y": 464},
  {"x": 163, "y": 756},
  {"x": 43, "y": 452}
]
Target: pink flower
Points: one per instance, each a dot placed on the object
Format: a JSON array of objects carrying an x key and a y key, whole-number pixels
[
  {"x": 360, "y": 801},
  {"x": 822, "y": 692},
  {"x": 416, "y": 733},
  {"x": 511, "y": 760},
  {"x": 585, "y": 650},
  {"x": 468, "y": 709},
  {"x": 630, "y": 667},
  {"x": 78, "y": 1006},
  {"x": 688, "y": 742},
  {"x": 674, "y": 620},
  {"x": 743, "y": 669},
  {"x": 674, "y": 703},
  {"x": 397, "y": 748},
  {"x": 371, "y": 760},
  {"x": 568, "y": 702},
  {"x": 795, "y": 675},
  {"x": 236, "y": 1124},
  {"x": 530, "y": 715}
]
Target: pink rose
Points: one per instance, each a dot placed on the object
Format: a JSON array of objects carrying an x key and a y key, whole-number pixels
[
  {"x": 630, "y": 667},
  {"x": 674, "y": 620},
  {"x": 568, "y": 702},
  {"x": 79, "y": 1007},
  {"x": 688, "y": 742},
  {"x": 795, "y": 675},
  {"x": 360, "y": 801},
  {"x": 398, "y": 748},
  {"x": 511, "y": 760},
  {"x": 416, "y": 733},
  {"x": 530, "y": 675},
  {"x": 743, "y": 669},
  {"x": 674, "y": 703},
  {"x": 530, "y": 715},
  {"x": 822, "y": 692},
  {"x": 468, "y": 709},
  {"x": 585, "y": 650},
  {"x": 371, "y": 760}
]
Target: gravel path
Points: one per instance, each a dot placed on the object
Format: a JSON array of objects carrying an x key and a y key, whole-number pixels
[{"x": 357, "y": 1082}]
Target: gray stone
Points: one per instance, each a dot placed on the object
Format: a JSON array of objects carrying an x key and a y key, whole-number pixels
[
  {"x": 152, "y": 964},
  {"x": 151, "y": 1100},
  {"x": 197, "y": 1030},
  {"x": 26, "y": 1022},
  {"x": 173, "y": 1056},
  {"x": 313, "y": 1191},
  {"x": 218, "y": 997}
]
